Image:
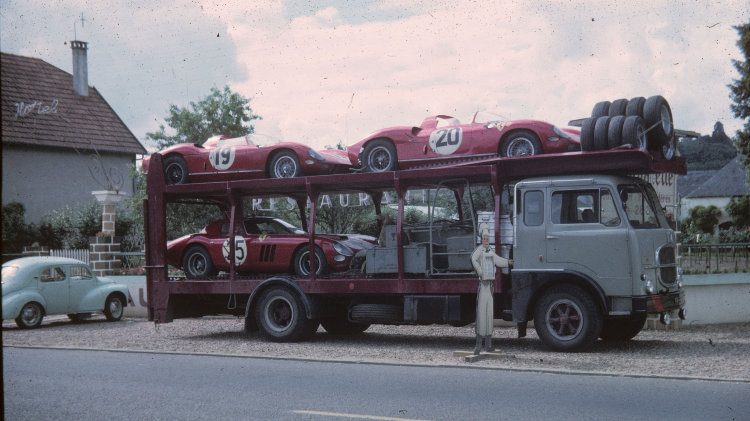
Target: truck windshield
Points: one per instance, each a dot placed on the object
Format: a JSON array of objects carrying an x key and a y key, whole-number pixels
[{"x": 641, "y": 206}]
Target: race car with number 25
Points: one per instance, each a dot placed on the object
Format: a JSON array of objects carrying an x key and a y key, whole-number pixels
[
  {"x": 222, "y": 158},
  {"x": 443, "y": 138}
]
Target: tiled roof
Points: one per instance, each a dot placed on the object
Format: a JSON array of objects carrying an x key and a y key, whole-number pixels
[
  {"x": 729, "y": 181},
  {"x": 39, "y": 108},
  {"x": 692, "y": 180}
]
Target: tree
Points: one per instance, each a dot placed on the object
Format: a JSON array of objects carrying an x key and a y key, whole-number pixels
[
  {"x": 740, "y": 94},
  {"x": 705, "y": 218},
  {"x": 739, "y": 210},
  {"x": 221, "y": 112}
]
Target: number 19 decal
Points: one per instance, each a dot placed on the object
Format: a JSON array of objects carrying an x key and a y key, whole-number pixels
[
  {"x": 222, "y": 158},
  {"x": 240, "y": 250},
  {"x": 446, "y": 141}
]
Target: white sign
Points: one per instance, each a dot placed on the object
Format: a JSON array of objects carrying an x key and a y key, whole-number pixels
[
  {"x": 222, "y": 158},
  {"x": 240, "y": 250},
  {"x": 446, "y": 141}
]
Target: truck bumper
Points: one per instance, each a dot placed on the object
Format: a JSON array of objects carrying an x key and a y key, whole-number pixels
[{"x": 659, "y": 303}]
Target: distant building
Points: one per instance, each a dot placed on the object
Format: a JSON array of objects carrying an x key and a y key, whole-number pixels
[
  {"x": 712, "y": 187},
  {"x": 60, "y": 139}
]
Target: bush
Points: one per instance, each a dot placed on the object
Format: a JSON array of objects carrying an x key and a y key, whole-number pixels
[{"x": 16, "y": 232}]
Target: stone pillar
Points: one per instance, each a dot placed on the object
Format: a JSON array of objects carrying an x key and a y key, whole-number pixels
[
  {"x": 102, "y": 247},
  {"x": 101, "y": 258}
]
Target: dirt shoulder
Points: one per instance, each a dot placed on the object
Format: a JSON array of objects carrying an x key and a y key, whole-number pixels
[{"x": 717, "y": 352}]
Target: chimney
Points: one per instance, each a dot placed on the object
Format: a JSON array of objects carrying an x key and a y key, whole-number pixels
[{"x": 80, "y": 68}]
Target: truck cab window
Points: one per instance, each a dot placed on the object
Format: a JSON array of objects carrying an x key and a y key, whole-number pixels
[
  {"x": 591, "y": 206},
  {"x": 639, "y": 207},
  {"x": 533, "y": 208}
]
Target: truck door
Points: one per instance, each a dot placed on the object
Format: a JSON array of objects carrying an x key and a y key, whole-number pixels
[
  {"x": 585, "y": 233},
  {"x": 528, "y": 248}
]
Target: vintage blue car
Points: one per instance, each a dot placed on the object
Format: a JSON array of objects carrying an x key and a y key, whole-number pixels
[{"x": 34, "y": 287}]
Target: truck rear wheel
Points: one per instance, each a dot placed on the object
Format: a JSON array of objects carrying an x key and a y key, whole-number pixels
[
  {"x": 343, "y": 327},
  {"x": 280, "y": 314},
  {"x": 622, "y": 329},
  {"x": 566, "y": 318}
]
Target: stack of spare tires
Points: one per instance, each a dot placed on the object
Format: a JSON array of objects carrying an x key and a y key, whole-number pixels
[{"x": 641, "y": 123}]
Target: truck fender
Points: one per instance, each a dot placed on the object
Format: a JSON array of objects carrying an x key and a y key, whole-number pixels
[
  {"x": 311, "y": 307},
  {"x": 529, "y": 286}
]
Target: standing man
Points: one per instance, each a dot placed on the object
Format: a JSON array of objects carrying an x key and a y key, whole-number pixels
[{"x": 485, "y": 261}]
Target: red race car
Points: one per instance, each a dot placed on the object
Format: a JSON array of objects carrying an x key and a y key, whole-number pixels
[
  {"x": 221, "y": 158},
  {"x": 268, "y": 245},
  {"x": 442, "y": 138}
]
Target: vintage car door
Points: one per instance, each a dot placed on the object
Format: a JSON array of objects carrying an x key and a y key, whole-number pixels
[
  {"x": 82, "y": 282},
  {"x": 53, "y": 286}
]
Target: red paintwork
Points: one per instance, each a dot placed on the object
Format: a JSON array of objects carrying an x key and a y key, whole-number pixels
[
  {"x": 269, "y": 253},
  {"x": 479, "y": 138},
  {"x": 250, "y": 161}
]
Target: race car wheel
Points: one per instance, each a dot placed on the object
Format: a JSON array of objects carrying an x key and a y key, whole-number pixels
[
  {"x": 175, "y": 170},
  {"x": 280, "y": 315},
  {"x": 31, "y": 316},
  {"x": 197, "y": 263},
  {"x": 618, "y": 107},
  {"x": 114, "y": 307},
  {"x": 587, "y": 134},
  {"x": 601, "y": 130},
  {"x": 657, "y": 113},
  {"x": 379, "y": 156},
  {"x": 521, "y": 143},
  {"x": 635, "y": 106},
  {"x": 285, "y": 165},
  {"x": 622, "y": 329},
  {"x": 566, "y": 318},
  {"x": 302, "y": 262},
  {"x": 634, "y": 132},
  {"x": 614, "y": 133},
  {"x": 601, "y": 109}
]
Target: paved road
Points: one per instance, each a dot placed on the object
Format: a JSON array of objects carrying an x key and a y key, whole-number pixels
[{"x": 95, "y": 385}]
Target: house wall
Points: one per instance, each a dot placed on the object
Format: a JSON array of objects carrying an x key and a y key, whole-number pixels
[{"x": 43, "y": 179}]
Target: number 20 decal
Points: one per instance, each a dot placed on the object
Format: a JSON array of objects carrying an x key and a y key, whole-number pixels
[
  {"x": 222, "y": 158},
  {"x": 446, "y": 141},
  {"x": 240, "y": 250}
]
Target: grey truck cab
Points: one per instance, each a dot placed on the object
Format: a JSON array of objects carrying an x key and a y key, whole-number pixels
[{"x": 594, "y": 254}]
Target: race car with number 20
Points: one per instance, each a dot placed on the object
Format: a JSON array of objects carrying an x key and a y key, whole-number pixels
[
  {"x": 222, "y": 158},
  {"x": 443, "y": 138}
]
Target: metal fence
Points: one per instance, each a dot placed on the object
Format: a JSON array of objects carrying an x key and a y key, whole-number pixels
[
  {"x": 80, "y": 254},
  {"x": 715, "y": 258}
]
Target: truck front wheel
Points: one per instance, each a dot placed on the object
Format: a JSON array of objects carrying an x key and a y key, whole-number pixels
[
  {"x": 280, "y": 314},
  {"x": 622, "y": 329},
  {"x": 566, "y": 318}
]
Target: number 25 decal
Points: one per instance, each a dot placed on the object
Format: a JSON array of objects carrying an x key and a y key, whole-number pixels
[
  {"x": 240, "y": 250},
  {"x": 222, "y": 158},
  {"x": 446, "y": 141}
]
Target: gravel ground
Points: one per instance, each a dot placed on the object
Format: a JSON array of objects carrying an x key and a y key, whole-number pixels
[{"x": 717, "y": 352}]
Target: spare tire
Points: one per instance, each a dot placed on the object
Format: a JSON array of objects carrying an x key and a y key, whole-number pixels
[
  {"x": 659, "y": 123},
  {"x": 600, "y": 133},
  {"x": 601, "y": 109},
  {"x": 587, "y": 134},
  {"x": 635, "y": 106},
  {"x": 634, "y": 132},
  {"x": 618, "y": 107},
  {"x": 614, "y": 134}
]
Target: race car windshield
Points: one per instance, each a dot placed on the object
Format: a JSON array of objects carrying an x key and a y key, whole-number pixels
[{"x": 447, "y": 122}]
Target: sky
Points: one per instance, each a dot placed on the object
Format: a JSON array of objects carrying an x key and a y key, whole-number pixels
[{"x": 330, "y": 71}]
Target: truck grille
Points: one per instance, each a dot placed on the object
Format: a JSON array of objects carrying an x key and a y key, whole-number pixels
[{"x": 667, "y": 267}]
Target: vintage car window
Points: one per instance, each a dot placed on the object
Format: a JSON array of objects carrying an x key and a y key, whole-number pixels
[
  {"x": 533, "y": 208},
  {"x": 52, "y": 274},
  {"x": 272, "y": 227},
  {"x": 79, "y": 272}
]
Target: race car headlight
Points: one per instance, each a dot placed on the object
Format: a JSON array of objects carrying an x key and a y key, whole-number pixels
[
  {"x": 561, "y": 133},
  {"x": 342, "y": 249},
  {"x": 314, "y": 155}
]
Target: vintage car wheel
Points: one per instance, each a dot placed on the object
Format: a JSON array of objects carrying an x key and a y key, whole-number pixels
[
  {"x": 614, "y": 133},
  {"x": 114, "y": 308},
  {"x": 587, "y": 134},
  {"x": 635, "y": 106},
  {"x": 197, "y": 263},
  {"x": 657, "y": 113},
  {"x": 521, "y": 143},
  {"x": 622, "y": 329},
  {"x": 31, "y": 316},
  {"x": 618, "y": 107},
  {"x": 280, "y": 314},
  {"x": 175, "y": 170},
  {"x": 601, "y": 129},
  {"x": 566, "y": 318},
  {"x": 302, "y": 262},
  {"x": 601, "y": 109},
  {"x": 285, "y": 165},
  {"x": 379, "y": 156},
  {"x": 342, "y": 326},
  {"x": 634, "y": 132}
]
